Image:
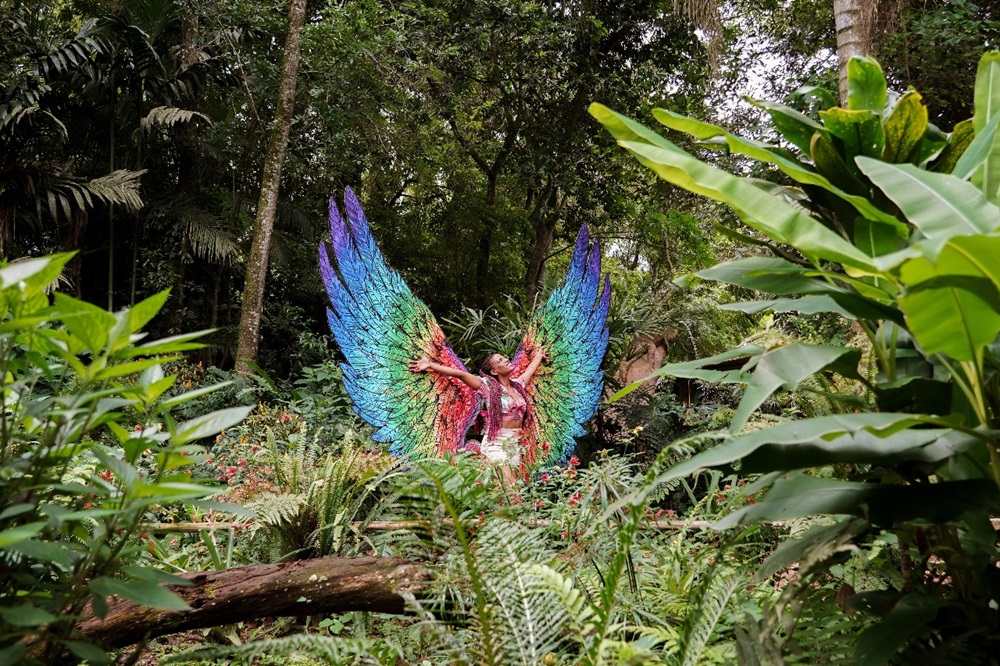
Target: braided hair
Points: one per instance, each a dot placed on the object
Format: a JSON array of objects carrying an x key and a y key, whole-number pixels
[{"x": 494, "y": 406}]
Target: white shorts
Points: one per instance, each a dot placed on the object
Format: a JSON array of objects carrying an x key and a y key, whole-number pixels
[{"x": 505, "y": 449}]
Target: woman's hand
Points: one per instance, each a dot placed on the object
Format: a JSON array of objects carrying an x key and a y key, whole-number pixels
[{"x": 420, "y": 365}]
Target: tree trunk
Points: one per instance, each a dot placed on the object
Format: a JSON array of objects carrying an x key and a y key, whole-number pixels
[
  {"x": 853, "y": 35},
  {"x": 253, "y": 290},
  {"x": 326, "y": 585}
]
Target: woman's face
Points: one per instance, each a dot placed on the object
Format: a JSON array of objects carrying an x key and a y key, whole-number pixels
[{"x": 501, "y": 364}]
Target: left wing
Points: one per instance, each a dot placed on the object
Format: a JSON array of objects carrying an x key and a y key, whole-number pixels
[
  {"x": 572, "y": 329},
  {"x": 381, "y": 327}
]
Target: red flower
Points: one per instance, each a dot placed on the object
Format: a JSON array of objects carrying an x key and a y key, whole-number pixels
[
  {"x": 545, "y": 477},
  {"x": 285, "y": 417},
  {"x": 571, "y": 473},
  {"x": 751, "y": 500},
  {"x": 574, "y": 499},
  {"x": 574, "y": 462}
]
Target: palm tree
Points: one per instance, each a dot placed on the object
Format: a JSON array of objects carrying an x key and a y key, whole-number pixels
[{"x": 42, "y": 195}]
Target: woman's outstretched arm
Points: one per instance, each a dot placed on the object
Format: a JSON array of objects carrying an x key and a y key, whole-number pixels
[
  {"x": 424, "y": 364},
  {"x": 529, "y": 372}
]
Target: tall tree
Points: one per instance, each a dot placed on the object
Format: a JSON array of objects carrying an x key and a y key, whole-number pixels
[{"x": 267, "y": 205}]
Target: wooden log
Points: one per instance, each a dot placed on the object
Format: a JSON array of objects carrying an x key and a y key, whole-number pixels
[
  {"x": 391, "y": 525},
  {"x": 304, "y": 587}
]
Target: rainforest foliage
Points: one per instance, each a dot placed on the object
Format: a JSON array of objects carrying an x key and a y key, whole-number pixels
[{"x": 812, "y": 476}]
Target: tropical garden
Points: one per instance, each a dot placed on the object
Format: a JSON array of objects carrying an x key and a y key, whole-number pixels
[{"x": 797, "y": 456}]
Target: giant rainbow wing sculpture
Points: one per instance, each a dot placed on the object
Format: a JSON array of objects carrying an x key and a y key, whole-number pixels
[
  {"x": 381, "y": 327},
  {"x": 572, "y": 330}
]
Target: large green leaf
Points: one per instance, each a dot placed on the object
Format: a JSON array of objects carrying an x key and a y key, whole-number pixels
[
  {"x": 87, "y": 322},
  {"x": 36, "y": 274},
  {"x": 958, "y": 143},
  {"x": 797, "y": 494},
  {"x": 142, "y": 592},
  {"x": 849, "y": 306},
  {"x": 771, "y": 155},
  {"x": 807, "y": 432},
  {"x": 866, "y": 86},
  {"x": 818, "y": 537},
  {"x": 940, "y": 205},
  {"x": 977, "y": 146},
  {"x": 987, "y": 105},
  {"x": 776, "y": 218},
  {"x": 797, "y": 128},
  {"x": 771, "y": 275},
  {"x": 623, "y": 128},
  {"x": 904, "y": 128},
  {"x": 861, "y": 132},
  {"x": 880, "y": 642},
  {"x": 952, "y": 305},
  {"x": 701, "y": 369},
  {"x": 785, "y": 368},
  {"x": 829, "y": 161},
  {"x": 209, "y": 424}
]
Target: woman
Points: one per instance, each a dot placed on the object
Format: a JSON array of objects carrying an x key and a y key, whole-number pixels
[{"x": 506, "y": 405}]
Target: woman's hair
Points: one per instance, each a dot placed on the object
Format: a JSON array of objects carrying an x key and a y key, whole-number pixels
[
  {"x": 494, "y": 405},
  {"x": 486, "y": 367}
]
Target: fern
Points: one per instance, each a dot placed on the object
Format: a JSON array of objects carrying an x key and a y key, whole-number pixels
[
  {"x": 276, "y": 509},
  {"x": 702, "y": 623},
  {"x": 334, "y": 649}
]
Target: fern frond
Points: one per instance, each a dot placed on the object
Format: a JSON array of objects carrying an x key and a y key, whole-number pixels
[
  {"x": 532, "y": 618},
  {"x": 706, "y": 617},
  {"x": 579, "y": 611},
  {"x": 334, "y": 649},
  {"x": 277, "y": 509}
]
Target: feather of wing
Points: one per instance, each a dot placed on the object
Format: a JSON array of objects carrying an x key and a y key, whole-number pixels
[
  {"x": 572, "y": 328},
  {"x": 381, "y": 327}
]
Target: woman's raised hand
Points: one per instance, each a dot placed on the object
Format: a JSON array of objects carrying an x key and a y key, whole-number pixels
[{"x": 420, "y": 364}]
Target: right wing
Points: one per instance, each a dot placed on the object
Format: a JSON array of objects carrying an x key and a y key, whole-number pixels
[
  {"x": 381, "y": 327},
  {"x": 572, "y": 329}
]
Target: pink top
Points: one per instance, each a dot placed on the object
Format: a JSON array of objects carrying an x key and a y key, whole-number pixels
[{"x": 511, "y": 403}]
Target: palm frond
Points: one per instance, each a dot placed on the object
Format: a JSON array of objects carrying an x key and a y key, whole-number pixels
[
  {"x": 168, "y": 116},
  {"x": 208, "y": 237},
  {"x": 14, "y": 113},
  {"x": 120, "y": 187}
]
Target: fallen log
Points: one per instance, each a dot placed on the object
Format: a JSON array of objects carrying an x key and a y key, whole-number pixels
[
  {"x": 304, "y": 587},
  {"x": 393, "y": 525}
]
